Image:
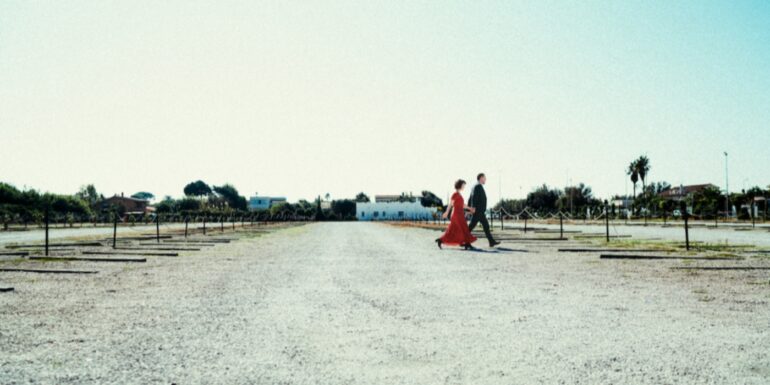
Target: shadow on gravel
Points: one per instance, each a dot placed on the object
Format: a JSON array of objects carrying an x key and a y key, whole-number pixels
[{"x": 498, "y": 250}]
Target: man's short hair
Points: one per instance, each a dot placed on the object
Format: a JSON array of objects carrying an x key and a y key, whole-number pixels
[{"x": 478, "y": 177}]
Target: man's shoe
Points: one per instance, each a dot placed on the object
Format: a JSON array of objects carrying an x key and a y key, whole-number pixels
[{"x": 494, "y": 243}]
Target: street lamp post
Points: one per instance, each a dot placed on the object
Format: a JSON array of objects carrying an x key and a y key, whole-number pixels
[{"x": 727, "y": 190}]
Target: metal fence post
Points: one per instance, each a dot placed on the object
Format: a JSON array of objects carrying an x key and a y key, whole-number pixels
[
  {"x": 686, "y": 216},
  {"x": 526, "y": 217},
  {"x": 46, "y": 231},
  {"x": 607, "y": 221},
  {"x": 114, "y": 230},
  {"x": 157, "y": 228}
]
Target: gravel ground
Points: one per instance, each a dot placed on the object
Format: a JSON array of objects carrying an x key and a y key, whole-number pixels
[{"x": 366, "y": 303}]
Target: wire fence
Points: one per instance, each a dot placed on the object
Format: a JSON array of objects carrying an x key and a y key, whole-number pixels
[
  {"x": 57, "y": 219},
  {"x": 139, "y": 224}
]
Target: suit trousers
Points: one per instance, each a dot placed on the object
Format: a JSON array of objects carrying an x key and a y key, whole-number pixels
[{"x": 481, "y": 218}]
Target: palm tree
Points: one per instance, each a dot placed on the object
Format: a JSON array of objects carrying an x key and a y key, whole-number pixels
[
  {"x": 633, "y": 171},
  {"x": 643, "y": 168}
]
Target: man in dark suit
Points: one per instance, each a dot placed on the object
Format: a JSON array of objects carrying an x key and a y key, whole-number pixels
[{"x": 478, "y": 200}]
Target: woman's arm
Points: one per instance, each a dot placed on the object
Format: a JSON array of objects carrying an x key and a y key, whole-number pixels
[{"x": 452, "y": 206}]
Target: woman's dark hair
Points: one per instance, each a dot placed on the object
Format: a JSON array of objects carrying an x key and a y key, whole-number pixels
[{"x": 459, "y": 184}]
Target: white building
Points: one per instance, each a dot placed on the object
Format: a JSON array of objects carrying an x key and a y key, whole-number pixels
[
  {"x": 381, "y": 211},
  {"x": 264, "y": 203}
]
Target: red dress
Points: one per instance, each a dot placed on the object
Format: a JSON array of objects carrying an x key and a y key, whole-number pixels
[{"x": 457, "y": 233}]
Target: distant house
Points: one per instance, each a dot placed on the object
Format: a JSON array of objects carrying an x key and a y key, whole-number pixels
[
  {"x": 126, "y": 204},
  {"x": 681, "y": 192},
  {"x": 393, "y": 210},
  {"x": 386, "y": 198},
  {"x": 394, "y": 198},
  {"x": 264, "y": 203},
  {"x": 623, "y": 205}
]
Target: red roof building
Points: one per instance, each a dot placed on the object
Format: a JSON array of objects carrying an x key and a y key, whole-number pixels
[
  {"x": 678, "y": 193},
  {"x": 128, "y": 205}
]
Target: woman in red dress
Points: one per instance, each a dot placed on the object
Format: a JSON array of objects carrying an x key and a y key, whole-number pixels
[{"x": 457, "y": 233}]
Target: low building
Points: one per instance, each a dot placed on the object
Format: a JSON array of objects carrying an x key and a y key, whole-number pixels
[
  {"x": 264, "y": 203},
  {"x": 393, "y": 210},
  {"x": 386, "y": 198},
  {"x": 127, "y": 205},
  {"x": 682, "y": 192},
  {"x": 623, "y": 205},
  {"x": 393, "y": 198}
]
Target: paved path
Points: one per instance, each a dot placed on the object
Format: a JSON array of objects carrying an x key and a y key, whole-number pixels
[{"x": 365, "y": 303}]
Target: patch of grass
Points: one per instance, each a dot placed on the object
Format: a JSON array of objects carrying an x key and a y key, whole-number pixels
[
  {"x": 705, "y": 298},
  {"x": 250, "y": 235},
  {"x": 15, "y": 261},
  {"x": 639, "y": 244},
  {"x": 45, "y": 260},
  {"x": 724, "y": 255},
  {"x": 674, "y": 246},
  {"x": 722, "y": 247}
]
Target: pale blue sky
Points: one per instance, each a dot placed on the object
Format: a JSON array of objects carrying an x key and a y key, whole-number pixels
[{"x": 304, "y": 98}]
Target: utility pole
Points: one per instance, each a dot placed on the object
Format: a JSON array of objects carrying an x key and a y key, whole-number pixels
[{"x": 727, "y": 190}]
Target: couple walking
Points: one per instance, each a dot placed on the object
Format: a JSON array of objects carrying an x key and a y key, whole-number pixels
[{"x": 459, "y": 232}]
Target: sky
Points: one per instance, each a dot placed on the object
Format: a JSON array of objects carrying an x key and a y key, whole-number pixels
[{"x": 304, "y": 98}]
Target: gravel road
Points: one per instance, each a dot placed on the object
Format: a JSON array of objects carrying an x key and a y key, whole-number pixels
[{"x": 367, "y": 303}]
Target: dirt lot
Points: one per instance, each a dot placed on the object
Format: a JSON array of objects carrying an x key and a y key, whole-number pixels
[{"x": 365, "y": 303}]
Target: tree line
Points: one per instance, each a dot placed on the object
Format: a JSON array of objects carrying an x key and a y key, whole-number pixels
[
  {"x": 708, "y": 203},
  {"x": 29, "y": 206},
  {"x": 578, "y": 200},
  {"x": 544, "y": 200}
]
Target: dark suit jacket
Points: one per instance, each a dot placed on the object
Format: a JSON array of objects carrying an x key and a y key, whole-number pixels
[{"x": 478, "y": 199}]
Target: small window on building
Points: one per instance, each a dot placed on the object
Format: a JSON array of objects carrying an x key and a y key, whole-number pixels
[
  {"x": 363, "y": 214},
  {"x": 400, "y": 213}
]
